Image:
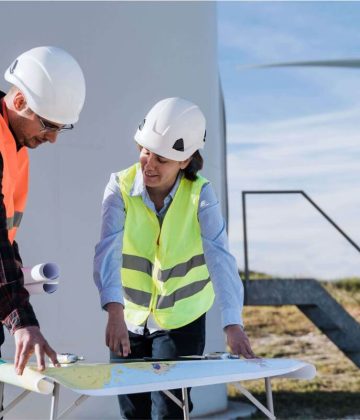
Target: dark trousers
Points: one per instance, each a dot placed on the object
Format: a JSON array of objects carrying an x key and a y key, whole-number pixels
[{"x": 185, "y": 341}]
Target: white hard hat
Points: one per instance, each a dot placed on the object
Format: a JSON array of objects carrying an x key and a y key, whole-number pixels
[
  {"x": 174, "y": 128},
  {"x": 52, "y": 83}
]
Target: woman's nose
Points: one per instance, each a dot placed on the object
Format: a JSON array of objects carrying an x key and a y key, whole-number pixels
[{"x": 150, "y": 161}]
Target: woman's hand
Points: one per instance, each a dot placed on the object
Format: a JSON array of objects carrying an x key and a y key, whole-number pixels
[
  {"x": 117, "y": 336},
  {"x": 238, "y": 341}
]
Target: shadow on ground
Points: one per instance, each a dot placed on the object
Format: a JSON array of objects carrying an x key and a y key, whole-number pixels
[{"x": 314, "y": 405}]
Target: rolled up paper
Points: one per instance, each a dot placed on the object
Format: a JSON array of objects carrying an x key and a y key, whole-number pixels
[
  {"x": 41, "y": 278},
  {"x": 39, "y": 287},
  {"x": 41, "y": 272},
  {"x": 30, "y": 379}
]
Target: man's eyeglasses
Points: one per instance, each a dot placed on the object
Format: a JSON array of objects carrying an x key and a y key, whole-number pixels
[{"x": 52, "y": 128}]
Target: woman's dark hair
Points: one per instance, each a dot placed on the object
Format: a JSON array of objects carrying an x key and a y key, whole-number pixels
[{"x": 195, "y": 165}]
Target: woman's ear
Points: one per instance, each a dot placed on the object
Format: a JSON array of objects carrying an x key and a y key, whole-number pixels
[{"x": 185, "y": 163}]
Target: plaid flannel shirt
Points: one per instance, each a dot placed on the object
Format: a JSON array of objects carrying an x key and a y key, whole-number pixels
[{"x": 15, "y": 308}]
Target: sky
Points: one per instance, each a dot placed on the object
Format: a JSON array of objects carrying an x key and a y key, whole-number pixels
[{"x": 292, "y": 128}]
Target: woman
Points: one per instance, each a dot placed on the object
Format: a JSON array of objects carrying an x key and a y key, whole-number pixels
[{"x": 163, "y": 238}]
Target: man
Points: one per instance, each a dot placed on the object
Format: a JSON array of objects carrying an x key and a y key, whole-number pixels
[{"x": 46, "y": 97}]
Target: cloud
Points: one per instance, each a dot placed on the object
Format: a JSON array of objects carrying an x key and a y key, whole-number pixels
[
  {"x": 279, "y": 30},
  {"x": 317, "y": 154},
  {"x": 293, "y": 128},
  {"x": 259, "y": 42}
]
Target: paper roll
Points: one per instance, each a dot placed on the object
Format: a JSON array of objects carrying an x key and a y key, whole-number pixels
[
  {"x": 30, "y": 379},
  {"x": 41, "y": 272},
  {"x": 41, "y": 278},
  {"x": 39, "y": 287}
]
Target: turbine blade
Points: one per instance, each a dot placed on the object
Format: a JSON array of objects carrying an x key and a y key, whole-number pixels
[{"x": 345, "y": 63}]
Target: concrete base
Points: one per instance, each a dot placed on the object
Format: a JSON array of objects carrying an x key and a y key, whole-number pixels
[{"x": 234, "y": 411}]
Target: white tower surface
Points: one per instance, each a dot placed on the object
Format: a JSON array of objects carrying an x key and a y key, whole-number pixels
[{"x": 132, "y": 54}]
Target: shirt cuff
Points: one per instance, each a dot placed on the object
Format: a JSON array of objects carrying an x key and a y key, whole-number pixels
[
  {"x": 21, "y": 318},
  {"x": 111, "y": 294},
  {"x": 231, "y": 317}
]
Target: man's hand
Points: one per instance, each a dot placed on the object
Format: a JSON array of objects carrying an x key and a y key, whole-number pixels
[
  {"x": 29, "y": 340},
  {"x": 238, "y": 341},
  {"x": 117, "y": 336}
]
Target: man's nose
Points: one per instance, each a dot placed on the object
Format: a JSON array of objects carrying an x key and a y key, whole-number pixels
[{"x": 51, "y": 136}]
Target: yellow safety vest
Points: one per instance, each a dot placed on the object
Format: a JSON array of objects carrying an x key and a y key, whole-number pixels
[{"x": 164, "y": 269}]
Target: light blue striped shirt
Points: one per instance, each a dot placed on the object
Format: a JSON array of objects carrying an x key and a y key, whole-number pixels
[{"x": 221, "y": 264}]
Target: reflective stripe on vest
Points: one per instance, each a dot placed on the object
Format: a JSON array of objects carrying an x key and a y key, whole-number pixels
[
  {"x": 14, "y": 221},
  {"x": 142, "y": 264},
  {"x": 143, "y": 298},
  {"x": 15, "y": 176},
  {"x": 164, "y": 270}
]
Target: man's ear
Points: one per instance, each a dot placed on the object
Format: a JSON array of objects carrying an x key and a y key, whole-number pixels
[{"x": 19, "y": 101}]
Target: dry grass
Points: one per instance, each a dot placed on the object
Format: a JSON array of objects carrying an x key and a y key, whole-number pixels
[{"x": 286, "y": 332}]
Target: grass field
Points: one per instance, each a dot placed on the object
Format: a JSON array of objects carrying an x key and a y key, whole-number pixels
[{"x": 286, "y": 332}]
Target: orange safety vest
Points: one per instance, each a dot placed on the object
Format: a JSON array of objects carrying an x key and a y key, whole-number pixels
[{"x": 15, "y": 177}]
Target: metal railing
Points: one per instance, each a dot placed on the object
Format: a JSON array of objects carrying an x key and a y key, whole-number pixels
[{"x": 244, "y": 193}]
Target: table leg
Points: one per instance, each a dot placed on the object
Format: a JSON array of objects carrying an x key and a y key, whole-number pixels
[
  {"x": 269, "y": 397},
  {"x": 55, "y": 402},
  {"x": 185, "y": 403},
  {"x": 1, "y": 398}
]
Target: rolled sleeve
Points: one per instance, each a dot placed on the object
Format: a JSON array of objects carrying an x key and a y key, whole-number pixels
[
  {"x": 108, "y": 257},
  {"x": 221, "y": 264},
  {"x": 21, "y": 318}
]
